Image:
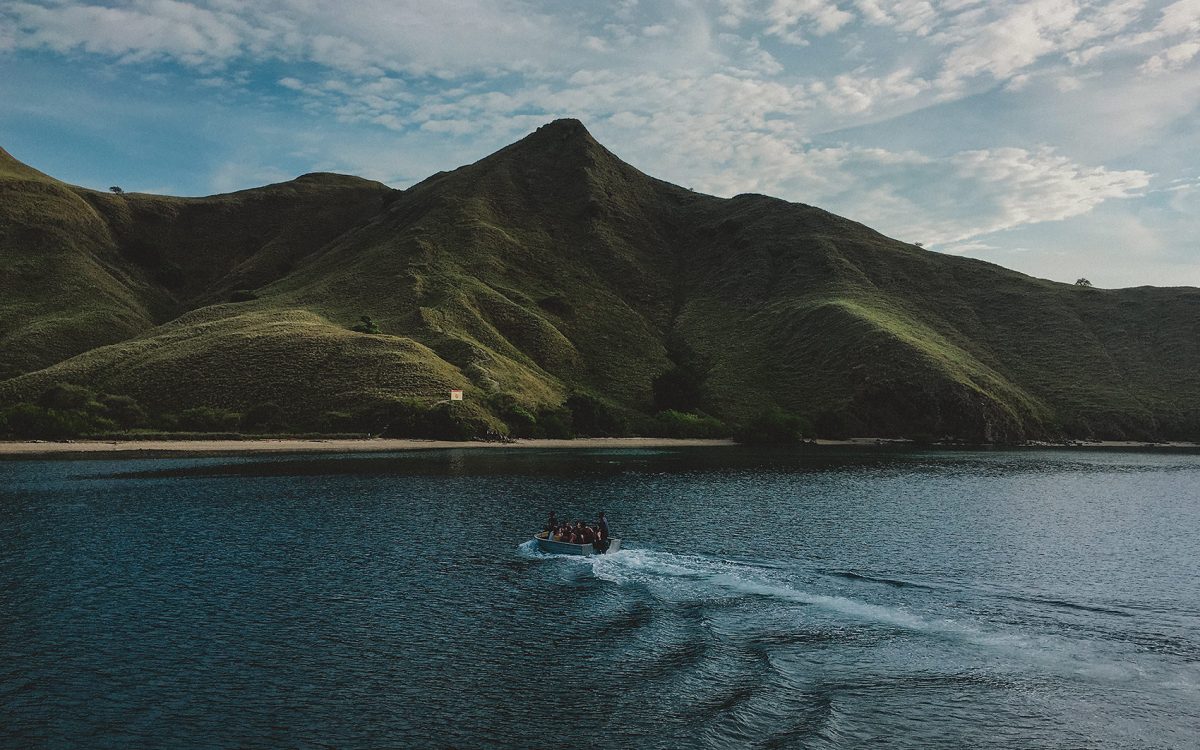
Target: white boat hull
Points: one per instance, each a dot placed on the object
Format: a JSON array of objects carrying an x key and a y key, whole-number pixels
[{"x": 566, "y": 548}]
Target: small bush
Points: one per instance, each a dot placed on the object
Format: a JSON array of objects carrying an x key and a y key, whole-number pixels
[
  {"x": 555, "y": 424},
  {"x": 521, "y": 423},
  {"x": 208, "y": 419},
  {"x": 592, "y": 417},
  {"x": 365, "y": 326},
  {"x": 773, "y": 427},
  {"x": 406, "y": 418},
  {"x": 449, "y": 421},
  {"x": 124, "y": 411},
  {"x": 678, "y": 390},
  {"x": 442, "y": 421},
  {"x": 31, "y": 421},
  {"x": 265, "y": 417},
  {"x": 63, "y": 396},
  {"x": 836, "y": 424},
  {"x": 687, "y": 425}
]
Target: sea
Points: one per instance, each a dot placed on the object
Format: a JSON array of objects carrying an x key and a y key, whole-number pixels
[{"x": 801, "y": 598}]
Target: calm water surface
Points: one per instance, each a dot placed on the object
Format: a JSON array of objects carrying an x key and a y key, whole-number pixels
[{"x": 812, "y": 600}]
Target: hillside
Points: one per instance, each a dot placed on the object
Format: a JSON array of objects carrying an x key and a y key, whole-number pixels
[
  {"x": 551, "y": 269},
  {"x": 86, "y": 268}
]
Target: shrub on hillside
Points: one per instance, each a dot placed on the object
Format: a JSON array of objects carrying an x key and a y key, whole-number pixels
[
  {"x": 678, "y": 424},
  {"x": 555, "y": 424},
  {"x": 838, "y": 424},
  {"x": 340, "y": 421},
  {"x": 265, "y": 417},
  {"x": 366, "y": 325},
  {"x": 592, "y": 417},
  {"x": 124, "y": 411},
  {"x": 442, "y": 421},
  {"x": 678, "y": 389},
  {"x": 31, "y": 421},
  {"x": 209, "y": 419},
  {"x": 521, "y": 421},
  {"x": 64, "y": 396},
  {"x": 449, "y": 421},
  {"x": 773, "y": 427}
]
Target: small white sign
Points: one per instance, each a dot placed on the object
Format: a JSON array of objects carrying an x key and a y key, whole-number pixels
[{"x": 456, "y": 395}]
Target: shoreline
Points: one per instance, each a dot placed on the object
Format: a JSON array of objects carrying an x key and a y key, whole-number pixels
[
  {"x": 35, "y": 449},
  {"x": 284, "y": 446}
]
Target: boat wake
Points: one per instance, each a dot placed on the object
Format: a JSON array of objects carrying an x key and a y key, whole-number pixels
[
  {"x": 693, "y": 579},
  {"x": 684, "y": 577}
]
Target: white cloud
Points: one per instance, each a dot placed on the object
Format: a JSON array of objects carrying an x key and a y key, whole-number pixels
[
  {"x": 139, "y": 31},
  {"x": 793, "y": 20},
  {"x": 906, "y": 16},
  {"x": 1172, "y": 58}
]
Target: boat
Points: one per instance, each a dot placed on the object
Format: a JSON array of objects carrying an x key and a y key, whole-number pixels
[{"x": 552, "y": 547}]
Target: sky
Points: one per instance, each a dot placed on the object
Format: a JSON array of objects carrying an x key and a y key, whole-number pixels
[{"x": 1060, "y": 138}]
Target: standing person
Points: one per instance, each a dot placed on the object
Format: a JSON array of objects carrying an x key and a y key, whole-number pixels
[
  {"x": 602, "y": 522},
  {"x": 552, "y": 524}
]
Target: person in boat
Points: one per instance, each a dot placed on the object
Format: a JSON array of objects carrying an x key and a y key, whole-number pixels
[
  {"x": 583, "y": 534},
  {"x": 602, "y": 526}
]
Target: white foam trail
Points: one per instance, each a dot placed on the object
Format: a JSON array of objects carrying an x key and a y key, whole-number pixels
[{"x": 695, "y": 576}]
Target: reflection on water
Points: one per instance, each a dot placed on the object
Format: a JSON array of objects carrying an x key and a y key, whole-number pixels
[{"x": 816, "y": 599}]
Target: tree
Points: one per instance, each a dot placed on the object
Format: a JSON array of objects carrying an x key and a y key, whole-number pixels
[
  {"x": 592, "y": 417},
  {"x": 678, "y": 389},
  {"x": 366, "y": 326},
  {"x": 773, "y": 426},
  {"x": 117, "y": 189},
  {"x": 126, "y": 412},
  {"x": 67, "y": 396},
  {"x": 1082, "y": 282},
  {"x": 265, "y": 417}
]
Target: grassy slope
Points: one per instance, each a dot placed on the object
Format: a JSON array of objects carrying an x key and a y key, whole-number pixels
[
  {"x": 551, "y": 266},
  {"x": 62, "y": 291},
  {"x": 87, "y": 269},
  {"x": 840, "y": 315}
]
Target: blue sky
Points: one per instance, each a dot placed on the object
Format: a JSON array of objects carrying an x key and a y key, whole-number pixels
[{"x": 1057, "y": 137}]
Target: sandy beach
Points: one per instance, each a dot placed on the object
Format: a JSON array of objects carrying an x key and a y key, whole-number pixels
[
  {"x": 225, "y": 447},
  {"x": 143, "y": 448}
]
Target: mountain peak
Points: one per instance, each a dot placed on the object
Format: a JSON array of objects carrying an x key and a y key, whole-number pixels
[
  {"x": 567, "y": 134},
  {"x": 564, "y": 127}
]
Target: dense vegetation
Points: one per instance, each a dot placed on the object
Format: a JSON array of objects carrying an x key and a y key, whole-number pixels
[{"x": 567, "y": 294}]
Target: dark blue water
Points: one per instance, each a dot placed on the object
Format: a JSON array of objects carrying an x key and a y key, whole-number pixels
[{"x": 816, "y": 600}]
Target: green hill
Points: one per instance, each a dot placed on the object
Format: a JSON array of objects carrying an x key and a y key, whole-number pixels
[{"x": 552, "y": 269}]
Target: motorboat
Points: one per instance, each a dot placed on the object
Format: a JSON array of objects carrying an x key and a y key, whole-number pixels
[{"x": 552, "y": 547}]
